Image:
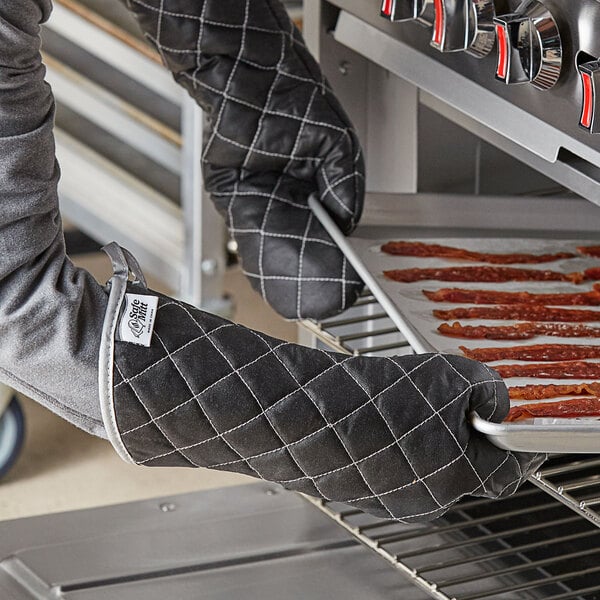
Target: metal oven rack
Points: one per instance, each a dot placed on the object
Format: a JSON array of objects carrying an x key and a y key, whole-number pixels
[{"x": 544, "y": 542}]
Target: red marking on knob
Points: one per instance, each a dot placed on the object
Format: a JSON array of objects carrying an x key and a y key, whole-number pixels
[
  {"x": 502, "y": 69},
  {"x": 438, "y": 30},
  {"x": 387, "y": 8},
  {"x": 588, "y": 100}
]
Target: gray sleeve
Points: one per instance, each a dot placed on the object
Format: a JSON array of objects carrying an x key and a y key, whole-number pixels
[{"x": 51, "y": 312}]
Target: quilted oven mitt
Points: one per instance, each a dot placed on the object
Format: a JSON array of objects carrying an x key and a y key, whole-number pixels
[
  {"x": 387, "y": 435},
  {"x": 276, "y": 134}
]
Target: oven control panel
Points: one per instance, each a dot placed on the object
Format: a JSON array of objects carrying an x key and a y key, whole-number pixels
[{"x": 545, "y": 44}]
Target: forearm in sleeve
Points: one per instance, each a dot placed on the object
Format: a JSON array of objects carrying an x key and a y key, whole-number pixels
[{"x": 50, "y": 312}]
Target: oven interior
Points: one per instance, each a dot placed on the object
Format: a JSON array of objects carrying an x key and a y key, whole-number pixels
[{"x": 440, "y": 165}]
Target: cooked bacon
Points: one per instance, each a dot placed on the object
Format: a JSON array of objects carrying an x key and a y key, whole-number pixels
[
  {"x": 480, "y": 274},
  {"x": 516, "y": 312},
  {"x": 541, "y": 392},
  {"x": 518, "y": 331},
  {"x": 590, "y": 250},
  {"x": 494, "y": 297},
  {"x": 592, "y": 274},
  {"x": 483, "y": 332},
  {"x": 421, "y": 249},
  {"x": 563, "y": 409},
  {"x": 534, "y": 352},
  {"x": 552, "y": 370}
]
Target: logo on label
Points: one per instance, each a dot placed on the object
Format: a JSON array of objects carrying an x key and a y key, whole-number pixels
[
  {"x": 137, "y": 317},
  {"x": 137, "y": 322}
]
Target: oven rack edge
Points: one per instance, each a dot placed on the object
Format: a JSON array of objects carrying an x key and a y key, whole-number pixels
[{"x": 365, "y": 329}]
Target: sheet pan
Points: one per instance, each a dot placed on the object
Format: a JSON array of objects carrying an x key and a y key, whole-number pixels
[{"x": 411, "y": 312}]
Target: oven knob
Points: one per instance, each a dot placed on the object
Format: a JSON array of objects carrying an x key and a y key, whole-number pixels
[
  {"x": 529, "y": 46},
  {"x": 590, "y": 80},
  {"x": 421, "y": 11},
  {"x": 464, "y": 25}
]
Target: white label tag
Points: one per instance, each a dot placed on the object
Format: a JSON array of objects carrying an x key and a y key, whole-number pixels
[{"x": 137, "y": 322}]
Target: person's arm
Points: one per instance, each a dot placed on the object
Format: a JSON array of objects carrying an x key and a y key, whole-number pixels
[
  {"x": 387, "y": 435},
  {"x": 50, "y": 312}
]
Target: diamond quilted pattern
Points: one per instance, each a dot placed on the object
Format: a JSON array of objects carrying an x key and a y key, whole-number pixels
[
  {"x": 378, "y": 433},
  {"x": 276, "y": 134},
  {"x": 296, "y": 417}
]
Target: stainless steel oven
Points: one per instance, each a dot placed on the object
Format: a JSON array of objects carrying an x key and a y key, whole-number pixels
[{"x": 476, "y": 114}]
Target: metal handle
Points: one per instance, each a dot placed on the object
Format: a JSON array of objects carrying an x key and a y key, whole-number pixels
[
  {"x": 464, "y": 25},
  {"x": 590, "y": 81},
  {"x": 398, "y": 11},
  {"x": 529, "y": 46}
]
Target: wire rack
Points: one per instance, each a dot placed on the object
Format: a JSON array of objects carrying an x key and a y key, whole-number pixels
[
  {"x": 363, "y": 329},
  {"x": 528, "y": 546}
]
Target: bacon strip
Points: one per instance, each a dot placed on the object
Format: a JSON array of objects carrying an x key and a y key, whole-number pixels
[
  {"x": 518, "y": 331},
  {"x": 541, "y": 392},
  {"x": 534, "y": 352},
  {"x": 564, "y": 409},
  {"x": 421, "y": 249},
  {"x": 552, "y": 370},
  {"x": 517, "y": 312},
  {"x": 590, "y": 250},
  {"x": 494, "y": 297},
  {"x": 481, "y": 274},
  {"x": 592, "y": 274}
]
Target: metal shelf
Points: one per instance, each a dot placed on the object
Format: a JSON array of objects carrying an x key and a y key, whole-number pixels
[
  {"x": 129, "y": 144},
  {"x": 489, "y": 550},
  {"x": 362, "y": 330},
  {"x": 481, "y": 549}
]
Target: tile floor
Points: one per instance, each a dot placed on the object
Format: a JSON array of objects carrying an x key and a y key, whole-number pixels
[{"x": 63, "y": 468}]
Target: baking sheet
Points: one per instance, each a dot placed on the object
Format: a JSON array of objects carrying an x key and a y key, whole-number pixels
[{"x": 412, "y": 313}]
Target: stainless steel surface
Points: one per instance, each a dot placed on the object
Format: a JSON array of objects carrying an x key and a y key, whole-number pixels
[
  {"x": 569, "y": 158},
  {"x": 531, "y": 51},
  {"x": 259, "y": 542},
  {"x": 204, "y": 260},
  {"x": 397, "y": 11},
  {"x": 579, "y": 22},
  {"x": 527, "y": 546},
  {"x": 120, "y": 54},
  {"x": 123, "y": 123},
  {"x": 541, "y": 133},
  {"x": 249, "y": 543},
  {"x": 566, "y": 435}
]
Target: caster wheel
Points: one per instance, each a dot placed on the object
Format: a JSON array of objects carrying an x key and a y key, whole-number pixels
[{"x": 12, "y": 436}]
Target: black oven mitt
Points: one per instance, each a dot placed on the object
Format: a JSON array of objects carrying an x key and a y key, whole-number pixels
[
  {"x": 276, "y": 134},
  {"x": 390, "y": 436}
]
